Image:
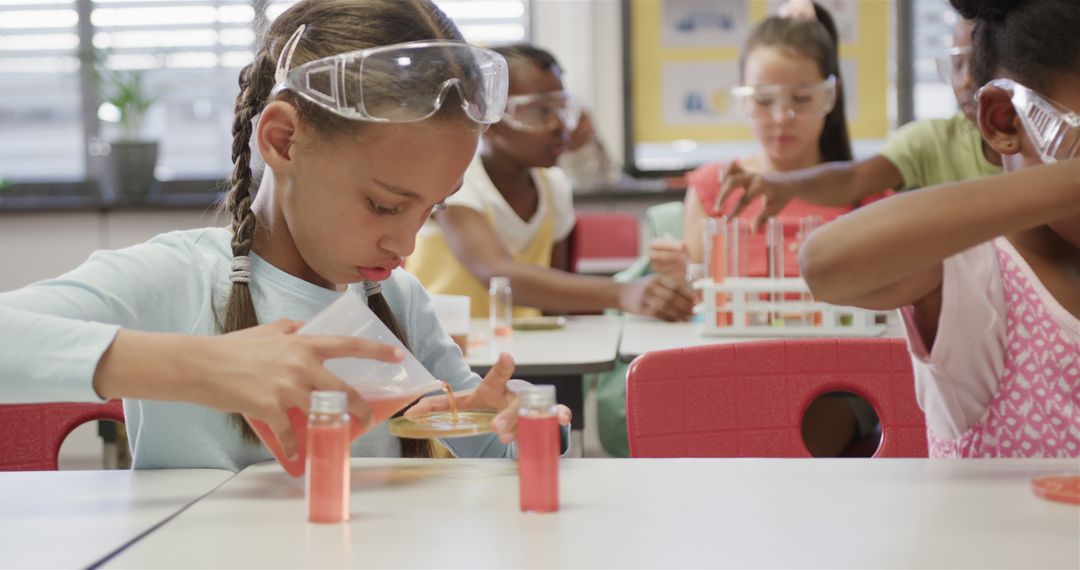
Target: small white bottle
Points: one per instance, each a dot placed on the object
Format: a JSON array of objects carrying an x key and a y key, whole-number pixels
[{"x": 500, "y": 313}]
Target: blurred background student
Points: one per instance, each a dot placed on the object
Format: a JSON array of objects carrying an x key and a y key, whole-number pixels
[
  {"x": 514, "y": 213},
  {"x": 792, "y": 93},
  {"x": 921, "y": 153}
]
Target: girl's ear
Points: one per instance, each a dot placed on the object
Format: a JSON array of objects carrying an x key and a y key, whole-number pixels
[
  {"x": 998, "y": 122},
  {"x": 276, "y": 133}
]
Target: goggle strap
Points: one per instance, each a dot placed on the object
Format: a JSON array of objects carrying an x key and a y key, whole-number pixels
[{"x": 284, "y": 62}]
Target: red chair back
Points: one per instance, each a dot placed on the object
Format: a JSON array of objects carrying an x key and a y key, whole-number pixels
[
  {"x": 747, "y": 399},
  {"x": 603, "y": 234},
  {"x": 31, "y": 434}
]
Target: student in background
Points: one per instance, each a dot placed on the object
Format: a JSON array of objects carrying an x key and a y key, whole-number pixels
[
  {"x": 514, "y": 212},
  {"x": 792, "y": 93},
  {"x": 172, "y": 326},
  {"x": 987, "y": 272},
  {"x": 921, "y": 153}
]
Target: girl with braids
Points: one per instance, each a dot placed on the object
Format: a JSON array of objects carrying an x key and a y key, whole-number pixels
[
  {"x": 987, "y": 272},
  {"x": 366, "y": 113}
]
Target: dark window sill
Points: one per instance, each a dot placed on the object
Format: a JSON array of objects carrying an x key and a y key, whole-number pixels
[{"x": 88, "y": 196}]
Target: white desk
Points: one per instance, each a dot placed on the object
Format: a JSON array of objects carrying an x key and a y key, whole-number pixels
[
  {"x": 67, "y": 519},
  {"x": 637, "y": 513},
  {"x": 644, "y": 334},
  {"x": 603, "y": 265},
  {"x": 588, "y": 343}
]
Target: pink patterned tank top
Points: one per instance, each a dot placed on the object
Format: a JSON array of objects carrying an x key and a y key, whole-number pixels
[{"x": 1036, "y": 410}]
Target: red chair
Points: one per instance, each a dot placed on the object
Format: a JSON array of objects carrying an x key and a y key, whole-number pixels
[
  {"x": 747, "y": 399},
  {"x": 603, "y": 234},
  {"x": 31, "y": 434}
]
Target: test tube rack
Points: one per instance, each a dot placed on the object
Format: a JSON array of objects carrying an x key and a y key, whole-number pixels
[{"x": 767, "y": 307}]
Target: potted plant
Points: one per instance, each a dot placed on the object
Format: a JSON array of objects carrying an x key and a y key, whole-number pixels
[{"x": 131, "y": 158}]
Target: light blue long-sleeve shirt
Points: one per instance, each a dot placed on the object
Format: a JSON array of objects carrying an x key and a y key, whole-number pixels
[{"x": 53, "y": 333}]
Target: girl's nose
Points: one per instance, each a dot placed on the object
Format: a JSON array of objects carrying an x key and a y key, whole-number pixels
[{"x": 782, "y": 112}]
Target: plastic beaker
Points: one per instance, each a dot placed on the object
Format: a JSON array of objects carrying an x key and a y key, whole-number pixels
[{"x": 386, "y": 386}]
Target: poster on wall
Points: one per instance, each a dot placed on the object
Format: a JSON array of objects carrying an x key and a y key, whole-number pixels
[
  {"x": 683, "y": 58},
  {"x": 694, "y": 23},
  {"x": 698, "y": 93}
]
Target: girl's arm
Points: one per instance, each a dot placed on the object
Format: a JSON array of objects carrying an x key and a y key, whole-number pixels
[
  {"x": 109, "y": 329},
  {"x": 889, "y": 254},
  {"x": 474, "y": 242},
  {"x": 828, "y": 184}
]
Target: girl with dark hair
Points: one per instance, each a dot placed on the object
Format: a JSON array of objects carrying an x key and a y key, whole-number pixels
[
  {"x": 172, "y": 325},
  {"x": 919, "y": 154},
  {"x": 791, "y": 92},
  {"x": 514, "y": 214},
  {"x": 987, "y": 272}
]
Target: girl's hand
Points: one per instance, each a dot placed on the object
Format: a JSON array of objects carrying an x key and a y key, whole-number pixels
[
  {"x": 658, "y": 296},
  {"x": 266, "y": 370},
  {"x": 497, "y": 392},
  {"x": 797, "y": 9},
  {"x": 668, "y": 256},
  {"x": 774, "y": 189}
]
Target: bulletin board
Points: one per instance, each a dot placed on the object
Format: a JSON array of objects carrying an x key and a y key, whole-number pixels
[{"x": 682, "y": 58}]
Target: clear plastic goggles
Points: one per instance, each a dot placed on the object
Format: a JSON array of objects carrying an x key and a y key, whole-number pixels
[
  {"x": 953, "y": 64},
  {"x": 399, "y": 83},
  {"x": 542, "y": 111},
  {"x": 779, "y": 101},
  {"x": 1053, "y": 128}
]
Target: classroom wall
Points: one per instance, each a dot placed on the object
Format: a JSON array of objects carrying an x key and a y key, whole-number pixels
[{"x": 586, "y": 38}]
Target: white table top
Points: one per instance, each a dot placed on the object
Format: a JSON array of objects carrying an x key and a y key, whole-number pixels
[
  {"x": 831, "y": 513},
  {"x": 644, "y": 334},
  {"x": 603, "y": 265},
  {"x": 588, "y": 343},
  {"x": 68, "y": 519}
]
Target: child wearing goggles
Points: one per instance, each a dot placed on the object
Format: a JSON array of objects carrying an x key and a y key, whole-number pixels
[
  {"x": 987, "y": 272},
  {"x": 791, "y": 95},
  {"x": 514, "y": 213},
  {"x": 366, "y": 114},
  {"x": 921, "y": 153}
]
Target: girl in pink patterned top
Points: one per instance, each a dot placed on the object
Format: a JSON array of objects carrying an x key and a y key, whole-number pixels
[{"x": 987, "y": 272}]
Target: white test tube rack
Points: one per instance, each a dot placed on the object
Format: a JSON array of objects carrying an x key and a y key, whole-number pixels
[{"x": 756, "y": 307}]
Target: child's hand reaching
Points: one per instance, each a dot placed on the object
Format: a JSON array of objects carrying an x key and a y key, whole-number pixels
[
  {"x": 668, "y": 257},
  {"x": 496, "y": 392},
  {"x": 261, "y": 372},
  {"x": 797, "y": 9},
  {"x": 658, "y": 296},
  {"x": 775, "y": 190}
]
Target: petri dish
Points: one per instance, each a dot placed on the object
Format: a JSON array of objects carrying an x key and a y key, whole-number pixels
[
  {"x": 439, "y": 425},
  {"x": 539, "y": 323},
  {"x": 1060, "y": 488}
]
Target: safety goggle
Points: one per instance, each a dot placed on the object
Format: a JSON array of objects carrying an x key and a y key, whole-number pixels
[
  {"x": 779, "y": 101},
  {"x": 953, "y": 63},
  {"x": 399, "y": 83},
  {"x": 542, "y": 111},
  {"x": 1053, "y": 128}
]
